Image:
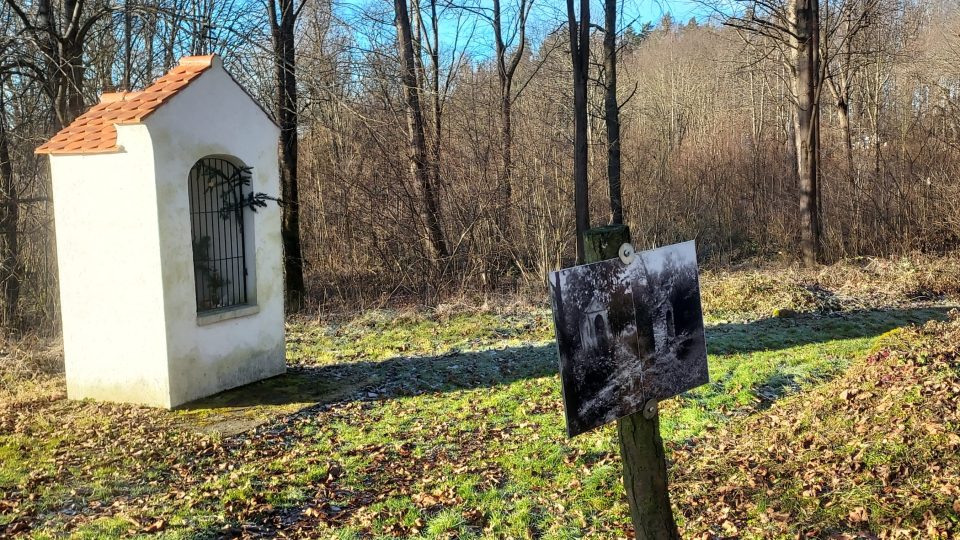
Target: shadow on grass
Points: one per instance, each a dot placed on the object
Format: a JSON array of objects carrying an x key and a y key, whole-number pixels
[
  {"x": 304, "y": 385},
  {"x": 783, "y": 333},
  {"x": 399, "y": 376}
]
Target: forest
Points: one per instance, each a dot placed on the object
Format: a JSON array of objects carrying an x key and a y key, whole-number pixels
[{"x": 707, "y": 113}]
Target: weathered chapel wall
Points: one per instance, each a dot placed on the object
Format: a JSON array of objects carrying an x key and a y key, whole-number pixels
[
  {"x": 207, "y": 358},
  {"x": 111, "y": 288}
]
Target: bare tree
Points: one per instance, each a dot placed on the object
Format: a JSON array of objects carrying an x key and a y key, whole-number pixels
[
  {"x": 805, "y": 42},
  {"x": 506, "y": 70},
  {"x": 433, "y": 83},
  {"x": 419, "y": 162},
  {"x": 58, "y": 31},
  {"x": 283, "y": 19},
  {"x": 611, "y": 110},
  {"x": 579, "y": 31},
  {"x": 843, "y": 59},
  {"x": 796, "y": 26}
]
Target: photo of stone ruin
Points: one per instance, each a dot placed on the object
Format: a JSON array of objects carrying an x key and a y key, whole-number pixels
[{"x": 628, "y": 333}]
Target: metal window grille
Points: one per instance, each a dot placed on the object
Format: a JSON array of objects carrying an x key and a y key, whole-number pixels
[{"x": 216, "y": 222}]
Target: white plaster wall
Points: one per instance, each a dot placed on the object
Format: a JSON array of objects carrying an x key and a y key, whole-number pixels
[
  {"x": 108, "y": 254},
  {"x": 214, "y": 117}
]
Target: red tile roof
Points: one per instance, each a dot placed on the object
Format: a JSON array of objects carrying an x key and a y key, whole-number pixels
[{"x": 94, "y": 131}]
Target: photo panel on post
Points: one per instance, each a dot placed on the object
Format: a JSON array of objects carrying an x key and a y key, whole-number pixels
[{"x": 628, "y": 333}]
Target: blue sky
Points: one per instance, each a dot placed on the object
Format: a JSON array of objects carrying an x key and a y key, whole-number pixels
[{"x": 548, "y": 15}]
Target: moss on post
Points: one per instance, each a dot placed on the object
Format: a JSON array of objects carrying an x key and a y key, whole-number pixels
[
  {"x": 602, "y": 243},
  {"x": 644, "y": 461}
]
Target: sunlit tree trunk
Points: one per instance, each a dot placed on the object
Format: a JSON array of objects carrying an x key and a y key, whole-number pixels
[
  {"x": 611, "y": 110},
  {"x": 806, "y": 69},
  {"x": 580, "y": 61},
  {"x": 283, "y": 15},
  {"x": 434, "y": 242}
]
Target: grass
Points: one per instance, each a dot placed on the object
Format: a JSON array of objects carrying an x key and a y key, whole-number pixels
[
  {"x": 332, "y": 361},
  {"x": 450, "y": 426}
]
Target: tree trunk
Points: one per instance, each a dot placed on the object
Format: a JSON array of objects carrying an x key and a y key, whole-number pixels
[
  {"x": 580, "y": 60},
  {"x": 9, "y": 218},
  {"x": 127, "y": 46},
  {"x": 50, "y": 49},
  {"x": 422, "y": 41},
  {"x": 149, "y": 28},
  {"x": 436, "y": 101},
  {"x": 283, "y": 26},
  {"x": 506, "y": 68},
  {"x": 505, "y": 72},
  {"x": 506, "y": 159},
  {"x": 73, "y": 83},
  {"x": 843, "y": 116},
  {"x": 806, "y": 72},
  {"x": 62, "y": 57},
  {"x": 434, "y": 242},
  {"x": 71, "y": 60},
  {"x": 612, "y": 111}
]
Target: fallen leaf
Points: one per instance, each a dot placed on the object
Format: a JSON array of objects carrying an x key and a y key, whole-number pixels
[{"x": 858, "y": 515}]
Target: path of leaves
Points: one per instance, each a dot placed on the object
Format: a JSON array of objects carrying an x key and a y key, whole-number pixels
[{"x": 872, "y": 454}]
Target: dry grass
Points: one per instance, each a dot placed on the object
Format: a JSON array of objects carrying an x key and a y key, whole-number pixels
[
  {"x": 751, "y": 289},
  {"x": 917, "y": 277},
  {"x": 760, "y": 290},
  {"x": 31, "y": 368}
]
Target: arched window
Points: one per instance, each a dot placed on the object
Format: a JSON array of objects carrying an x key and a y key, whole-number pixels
[
  {"x": 217, "y": 187},
  {"x": 600, "y": 327}
]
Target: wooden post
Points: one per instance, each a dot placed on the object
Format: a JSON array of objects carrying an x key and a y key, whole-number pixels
[
  {"x": 602, "y": 243},
  {"x": 644, "y": 461}
]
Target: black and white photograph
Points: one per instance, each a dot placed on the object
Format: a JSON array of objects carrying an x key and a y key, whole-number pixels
[{"x": 627, "y": 333}]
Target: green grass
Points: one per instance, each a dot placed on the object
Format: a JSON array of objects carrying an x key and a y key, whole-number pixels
[
  {"x": 381, "y": 335},
  {"x": 517, "y": 417},
  {"x": 15, "y": 461},
  {"x": 427, "y": 428}
]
